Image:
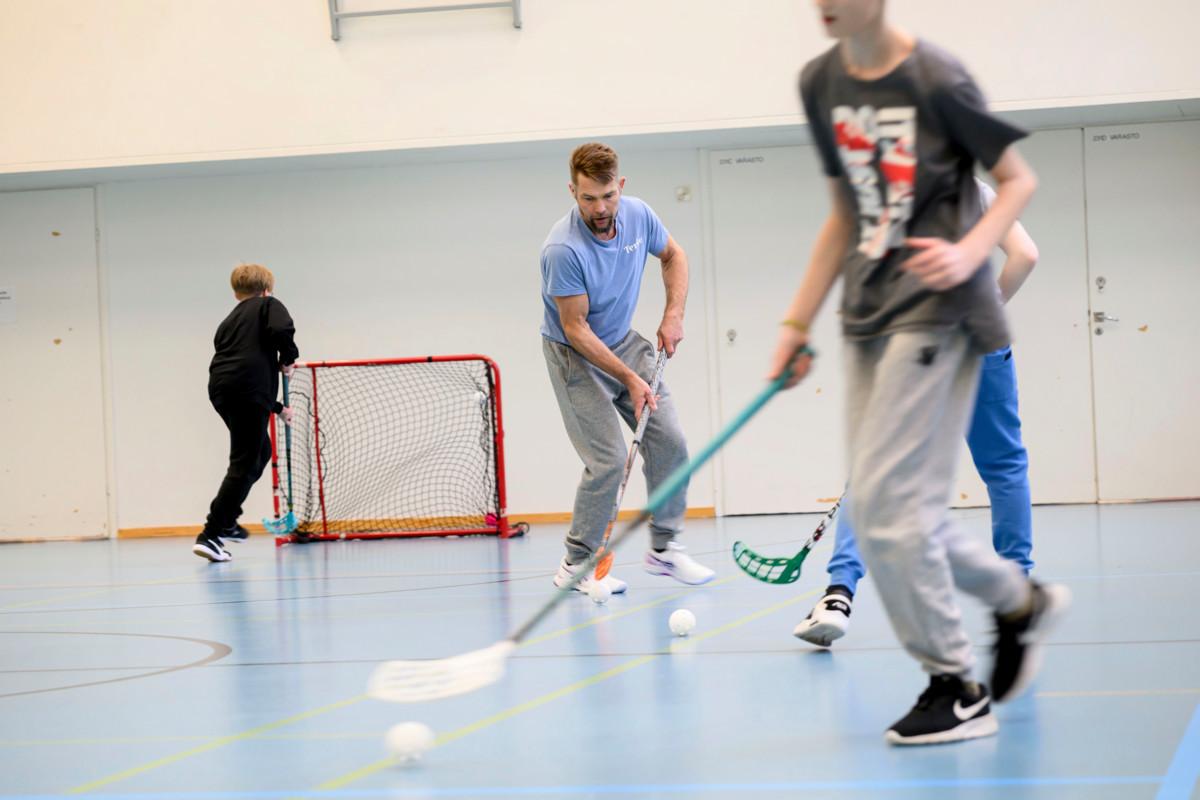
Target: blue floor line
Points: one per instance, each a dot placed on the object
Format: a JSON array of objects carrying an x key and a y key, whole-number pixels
[
  {"x": 619, "y": 789},
  {"x": 1184, "y": 771}
]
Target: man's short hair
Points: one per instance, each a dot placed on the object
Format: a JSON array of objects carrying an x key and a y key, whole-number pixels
[
  {"x": 596, "y": 161},
  {"x": 251, "y": 279}
]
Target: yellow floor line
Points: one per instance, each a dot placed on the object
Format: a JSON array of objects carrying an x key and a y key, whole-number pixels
[
  {"x": 268, "y": 737},
  {"x": 374, "y": 735},
  {"x": 213, "y": 745},
  {"x": 257, "y": 732},
  {"x": 537, "y": 702}
]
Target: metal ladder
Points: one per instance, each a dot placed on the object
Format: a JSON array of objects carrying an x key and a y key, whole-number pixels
[{"x": 336, "y": 15}]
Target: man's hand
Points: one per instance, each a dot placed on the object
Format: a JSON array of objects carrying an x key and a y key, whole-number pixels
[
  {"x": 288, "y": 369},
  {"x": 670, "y": 334},
  {"x": 940, "y": 265},
  {"x": 640, "y": 394},
  {"x": 287, "y": 413},
  {"x": 788, "y": 350}
]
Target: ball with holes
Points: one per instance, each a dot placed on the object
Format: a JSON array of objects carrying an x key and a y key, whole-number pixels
[
  {"x": 408, "y": 742},
  {"x": 681, "y": 622}
]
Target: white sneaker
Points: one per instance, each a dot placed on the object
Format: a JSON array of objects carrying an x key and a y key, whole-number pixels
[
  {"x": 829, "y": 620},
  {"x": 675, "y": 562},
  {"x": 567, "y": 571}
]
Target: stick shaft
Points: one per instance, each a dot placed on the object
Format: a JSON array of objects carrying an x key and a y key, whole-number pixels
[
  {"x": 287, "y": 443},
  {"x": 640, "y": 432},
  {"x": 670, "y": 486}
]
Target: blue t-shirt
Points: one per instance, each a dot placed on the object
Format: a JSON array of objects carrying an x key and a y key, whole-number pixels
[{"x": 575, "y": 262}]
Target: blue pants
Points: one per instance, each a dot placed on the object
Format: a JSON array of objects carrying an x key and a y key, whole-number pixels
[{"x": 994, "y": 439}]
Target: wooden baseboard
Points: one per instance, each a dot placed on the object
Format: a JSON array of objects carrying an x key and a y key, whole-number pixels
[
  {"x": 174, "y": 530},
  {"x": 701, "y": 512}
]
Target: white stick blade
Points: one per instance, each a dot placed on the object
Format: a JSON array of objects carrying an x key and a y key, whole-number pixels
[{"x": 433, "y": 679}]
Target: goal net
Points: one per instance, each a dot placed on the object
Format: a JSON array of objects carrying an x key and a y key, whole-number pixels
[{"x": 394, "y": 447}]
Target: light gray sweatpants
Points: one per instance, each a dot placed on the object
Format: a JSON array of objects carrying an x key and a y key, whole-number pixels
[
  {"x": 587, "y": 397},
  {"x": 909, "y": 399}
]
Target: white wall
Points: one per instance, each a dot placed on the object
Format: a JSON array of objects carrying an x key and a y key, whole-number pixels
[
  {"x": 437, "y": 258},
  {"x": 389, "y": 262},
  {"x": 110, "y": 82}
]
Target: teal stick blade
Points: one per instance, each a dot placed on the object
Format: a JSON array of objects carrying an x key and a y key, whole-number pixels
[{"x": 769, "y": 569}]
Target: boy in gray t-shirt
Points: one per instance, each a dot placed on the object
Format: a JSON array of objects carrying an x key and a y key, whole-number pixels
[{"x": 899, "y": 125}]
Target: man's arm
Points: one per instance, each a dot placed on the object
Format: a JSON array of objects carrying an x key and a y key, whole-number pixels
[
  {"x": 572, "y": 312},
  {"x": 675, "y": 279},
  {"x": 824, "y": 265},
  {"x": 1021, "y": 256},
  {"x": 942, "y": 265}
]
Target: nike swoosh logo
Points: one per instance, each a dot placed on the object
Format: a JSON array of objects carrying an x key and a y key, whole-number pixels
[{"x": 965, "y": 714}]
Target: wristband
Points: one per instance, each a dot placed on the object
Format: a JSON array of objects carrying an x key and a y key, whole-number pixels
[{"x": 795, "y": 324}]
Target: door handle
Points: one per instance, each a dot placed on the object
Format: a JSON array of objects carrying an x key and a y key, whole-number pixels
[{"x": 1100, "y": 316}]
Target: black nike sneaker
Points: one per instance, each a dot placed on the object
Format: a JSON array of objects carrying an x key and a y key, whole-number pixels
[{"x": 950, "y": 710}]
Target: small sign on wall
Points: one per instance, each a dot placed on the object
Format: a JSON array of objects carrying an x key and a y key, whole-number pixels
[{"x": 8, "y": 307}]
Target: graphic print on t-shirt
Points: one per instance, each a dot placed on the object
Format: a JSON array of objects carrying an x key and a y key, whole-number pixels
[{"x": 878, "y": 149}]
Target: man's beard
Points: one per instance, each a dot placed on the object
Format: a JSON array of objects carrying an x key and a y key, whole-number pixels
[{"x": 608, "y": 222}]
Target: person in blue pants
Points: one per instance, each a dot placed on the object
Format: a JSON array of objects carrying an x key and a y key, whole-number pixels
[{"x": 994, "y": 439}]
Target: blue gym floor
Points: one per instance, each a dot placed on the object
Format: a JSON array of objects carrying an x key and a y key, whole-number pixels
[{"x": 133, "y": 669}]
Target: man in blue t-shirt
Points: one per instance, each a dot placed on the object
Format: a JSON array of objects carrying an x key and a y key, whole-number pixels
[{"x": 592, "y": 265}]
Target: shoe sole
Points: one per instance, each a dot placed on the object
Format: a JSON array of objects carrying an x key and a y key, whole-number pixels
[
  {"x": 822, "y": 634},
  {"x": 654, "y": 568},
  {"x": 1059, "y": 601},
  {"x": 971, "y": 729},
  {"x": 204, "y": 553},
  {"x": 576, "y": 588}
]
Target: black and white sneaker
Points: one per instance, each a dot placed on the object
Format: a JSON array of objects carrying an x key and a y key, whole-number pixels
[
  {"x": 210, "y": 547},
  {"x": 950, "y": 710},
  {"x": 1019, "y": 638},
  {"x": 235, "y": 534},
  {"x": 829, "y": 619}
]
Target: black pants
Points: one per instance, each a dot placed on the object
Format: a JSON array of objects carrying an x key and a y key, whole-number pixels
[{"x": 249, "y": 452}]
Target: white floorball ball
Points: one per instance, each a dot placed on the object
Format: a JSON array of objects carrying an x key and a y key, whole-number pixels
[
  {"x": 409, "y": 741},
  {"x": 599, "y": 592},
  {"x": 681, "y": 622}
]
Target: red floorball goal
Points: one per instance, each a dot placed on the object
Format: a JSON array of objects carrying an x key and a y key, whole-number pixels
[{"x": 392, "y": 447}]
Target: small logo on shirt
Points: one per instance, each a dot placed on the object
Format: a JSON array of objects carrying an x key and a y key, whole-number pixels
[{"x": 632, "y": 248}]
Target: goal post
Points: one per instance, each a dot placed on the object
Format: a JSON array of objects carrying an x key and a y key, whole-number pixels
[{"x": 391, "y": 448}]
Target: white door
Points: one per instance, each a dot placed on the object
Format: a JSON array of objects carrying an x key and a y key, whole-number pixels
[
  {"x": 1050, "y": 333},
  {"x": 53, "y": 473},
  {"x": 1143, "y": 210},
  {"x": 767, "y": 205}
]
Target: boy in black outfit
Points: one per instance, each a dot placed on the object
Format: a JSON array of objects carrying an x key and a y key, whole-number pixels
[{"x": 253, "y": 344}]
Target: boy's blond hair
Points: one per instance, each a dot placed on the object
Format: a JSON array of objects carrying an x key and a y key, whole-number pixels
[{"x": 248, "y": 280}]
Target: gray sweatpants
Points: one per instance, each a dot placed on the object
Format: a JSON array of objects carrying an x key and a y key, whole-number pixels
[
  {"x": 910, "y": 395},
  {"x": 587, "y": 396}
]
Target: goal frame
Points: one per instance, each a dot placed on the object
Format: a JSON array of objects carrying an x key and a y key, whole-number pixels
[{"x": 501, "y": 528}]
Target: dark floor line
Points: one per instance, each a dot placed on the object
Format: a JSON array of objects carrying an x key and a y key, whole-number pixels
[
  {"x": 209, "y": 604},
  {"x": 795, "y": 651},
  {"x": 219, "y": 651},
  {"x": 288, "y": 579}
]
